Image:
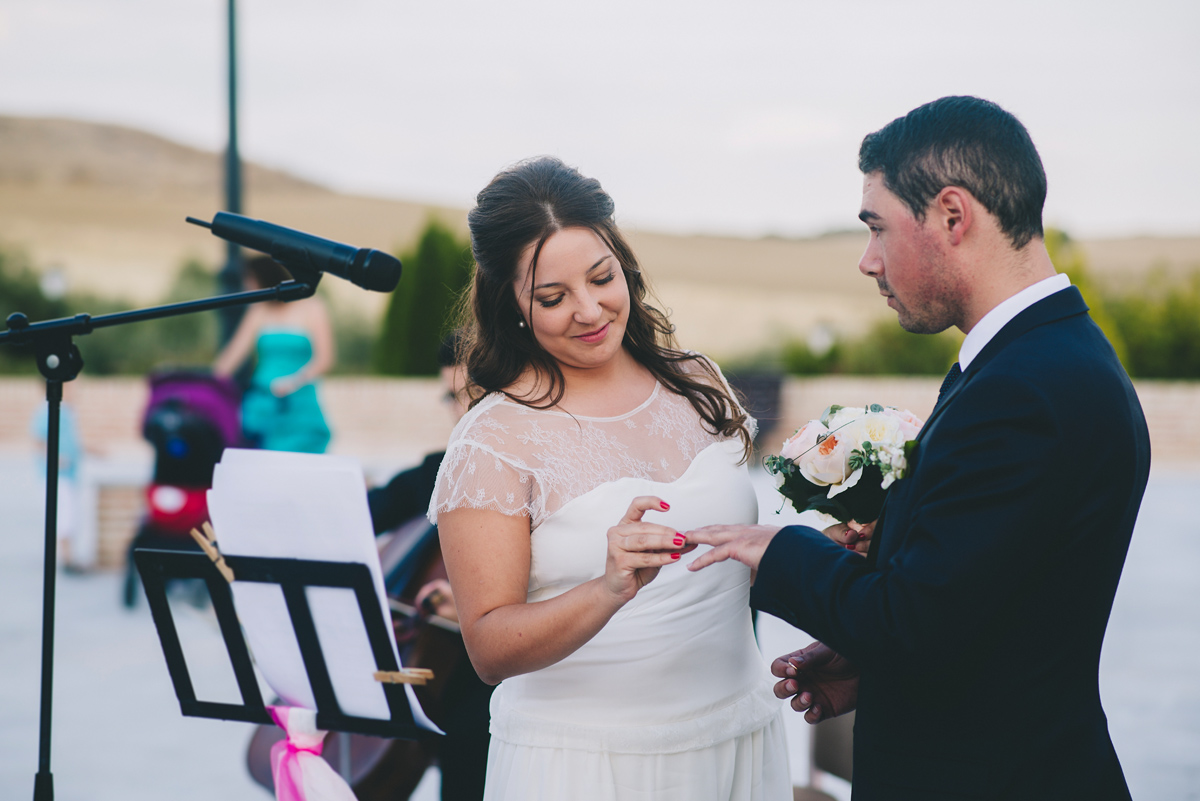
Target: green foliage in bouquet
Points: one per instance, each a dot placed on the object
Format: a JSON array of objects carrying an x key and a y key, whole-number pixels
[
  {"x": 850, "y": 457},
  {"x": 862, "y": 502}
]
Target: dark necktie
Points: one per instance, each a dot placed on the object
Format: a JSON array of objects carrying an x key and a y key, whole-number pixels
[{"x": 949, "y": 381}]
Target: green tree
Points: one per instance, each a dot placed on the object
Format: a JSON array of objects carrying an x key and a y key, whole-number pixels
[
  {"x": 1070, "y": 259},
  {"x": 186, "y": 340},
  {"x": 798, "y": 358},
  {"x": 20, "y": 291},
  {"x": 886, "y": 349},
  {"x": 436, "y": 271},
  {"x": 1161, "y": 327},
  {"x": 355, "y": 336}
]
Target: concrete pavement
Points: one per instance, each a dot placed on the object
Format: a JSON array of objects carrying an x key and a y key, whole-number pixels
[{"x": 119, "y": 735}]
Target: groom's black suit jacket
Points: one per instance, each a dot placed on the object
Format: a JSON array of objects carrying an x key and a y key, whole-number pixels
[{"x": 977, "y": 619}]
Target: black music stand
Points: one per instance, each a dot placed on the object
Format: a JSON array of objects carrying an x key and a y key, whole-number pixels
[
  {"x": 293, "y": 576},
  {"x": 59, "y": 361}
]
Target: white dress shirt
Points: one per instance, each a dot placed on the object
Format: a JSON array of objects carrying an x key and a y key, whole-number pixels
[{"x": 991, "y": 323}]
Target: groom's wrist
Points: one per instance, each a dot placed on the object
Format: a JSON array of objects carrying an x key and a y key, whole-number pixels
[
  {"x": 773, "y": 568},
  {"x": 784, "y": 577}
]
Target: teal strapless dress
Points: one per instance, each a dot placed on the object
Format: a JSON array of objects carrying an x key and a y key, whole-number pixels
[{"x": 290, "y": 423}]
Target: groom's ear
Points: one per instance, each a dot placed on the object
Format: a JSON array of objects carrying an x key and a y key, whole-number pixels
[{"x": 954, "y": 212}]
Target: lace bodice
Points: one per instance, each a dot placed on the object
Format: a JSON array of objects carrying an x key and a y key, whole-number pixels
[
  {"x": 520, "y": 461},
  {"x": 650, "y": 681}
]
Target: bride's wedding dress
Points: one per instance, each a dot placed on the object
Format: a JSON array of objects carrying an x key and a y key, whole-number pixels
[{"x": 671, "y": 699}]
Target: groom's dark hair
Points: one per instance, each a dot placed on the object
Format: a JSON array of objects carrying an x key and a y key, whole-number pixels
[{"x": 967, "y": 142}]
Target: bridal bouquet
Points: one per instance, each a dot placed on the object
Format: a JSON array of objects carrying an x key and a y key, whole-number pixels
[{"x": 842, "y": 464}]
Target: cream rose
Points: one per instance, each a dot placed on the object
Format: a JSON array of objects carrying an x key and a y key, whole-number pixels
[
  {"x": 875, "y": 428},
  {"x": 844, "y": 415},
  {"x": 802, "y": 440},
  {"x": 910, "y": 424},
  {"x": 828, "y": 462}
]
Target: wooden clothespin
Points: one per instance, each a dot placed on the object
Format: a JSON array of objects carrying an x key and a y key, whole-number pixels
[
  {"x": 404, "y": 676},
  {"x": 208, "y": 542}
]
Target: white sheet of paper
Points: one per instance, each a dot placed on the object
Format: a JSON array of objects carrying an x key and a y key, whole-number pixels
[{"x": 304, "y": 506}]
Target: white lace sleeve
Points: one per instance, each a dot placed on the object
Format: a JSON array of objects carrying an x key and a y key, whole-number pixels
[{"x": 474, "y": 476}]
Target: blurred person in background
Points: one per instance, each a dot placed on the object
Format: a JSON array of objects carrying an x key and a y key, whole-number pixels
[
  {"x": 407, "y": 494},
  {"x": 462, "y": 754},
  {"x": 76, "y": 522},
  {"x": 294, "y": 346}
]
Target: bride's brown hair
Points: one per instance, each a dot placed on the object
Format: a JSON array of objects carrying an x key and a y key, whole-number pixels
[{"x": 525, "y": 204}]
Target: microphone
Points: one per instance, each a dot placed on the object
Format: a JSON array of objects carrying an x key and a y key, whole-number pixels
[{"x": 369, "y": 269}]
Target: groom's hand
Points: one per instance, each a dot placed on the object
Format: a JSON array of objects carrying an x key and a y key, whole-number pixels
[
  {"x": 745, "y": 544},
  {"x": 852, "y": 536},
  {"x": 821, "y": 682}
]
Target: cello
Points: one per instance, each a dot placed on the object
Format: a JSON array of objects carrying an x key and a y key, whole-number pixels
[{"x": 378, "y": 768}]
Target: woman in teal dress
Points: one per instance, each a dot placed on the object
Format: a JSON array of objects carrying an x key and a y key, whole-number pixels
[{"x": 293, "y": 343}]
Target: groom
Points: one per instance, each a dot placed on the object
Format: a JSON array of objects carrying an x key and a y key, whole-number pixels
[{"x": 969, "y": 638}]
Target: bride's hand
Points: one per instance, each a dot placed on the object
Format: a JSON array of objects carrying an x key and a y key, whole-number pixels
[
  {"x": 852, "y": 536},
  {"x": 637, "y": 549}
]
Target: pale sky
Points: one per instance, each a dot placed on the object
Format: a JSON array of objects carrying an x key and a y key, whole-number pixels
[{"x": 696, "y": 115}]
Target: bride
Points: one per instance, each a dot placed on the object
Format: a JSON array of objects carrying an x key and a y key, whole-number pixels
[{"x": 593, "y": 441}]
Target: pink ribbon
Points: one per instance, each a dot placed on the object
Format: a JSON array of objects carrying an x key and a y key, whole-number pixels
[{"x": 296, "y": 765}]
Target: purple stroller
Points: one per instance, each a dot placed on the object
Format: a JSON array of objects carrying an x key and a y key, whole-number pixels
[{"x": 191, "y": 417}]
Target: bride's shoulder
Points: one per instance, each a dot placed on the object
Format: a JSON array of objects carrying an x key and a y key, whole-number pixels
[
  {"x": 481, "y": 416},
  {"x": 697, "y": 365},
  {"x": 496, "y": 418}
]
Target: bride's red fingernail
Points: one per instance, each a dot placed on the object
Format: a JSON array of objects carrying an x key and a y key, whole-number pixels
[
  {"x": 679, "y": 540},
  {"x": 664, "y": 505},
  {"x": 674, "y": 556}
]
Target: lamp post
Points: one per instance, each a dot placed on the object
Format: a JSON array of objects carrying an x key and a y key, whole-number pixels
[{"x": 230, "y": 277}]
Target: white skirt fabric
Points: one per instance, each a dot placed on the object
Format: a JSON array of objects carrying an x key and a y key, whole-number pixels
[
  {"x": 671, "y": 699},
  {"x": 752, "y": 767}
]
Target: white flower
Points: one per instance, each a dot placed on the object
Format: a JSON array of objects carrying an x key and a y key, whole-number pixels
[
  {"x": 873, "y": 436},
  {"x": 850, "y": 481},
  {"x": 873, "y": 428},
  {"x": 910, "y": 424},
  {"x": 803, "y": 440},
  {"x": 828, "y": 462},
  {"x": 841, "y": 417}
]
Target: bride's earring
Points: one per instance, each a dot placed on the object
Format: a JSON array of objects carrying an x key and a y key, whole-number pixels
[{"x": 521, "y": 324}]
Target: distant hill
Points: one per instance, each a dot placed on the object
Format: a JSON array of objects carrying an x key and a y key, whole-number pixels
[
  {"x": 45, "y": 153},
  {"x": 105, "y": 205}
]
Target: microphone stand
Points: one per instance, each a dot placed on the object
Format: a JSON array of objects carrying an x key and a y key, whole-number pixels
[{"x": 59, "y": 361}]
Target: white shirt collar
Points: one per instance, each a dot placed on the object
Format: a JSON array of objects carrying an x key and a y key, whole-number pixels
[{"x": 991, "y": 323}]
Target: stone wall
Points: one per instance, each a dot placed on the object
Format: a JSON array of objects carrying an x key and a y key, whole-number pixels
[{"x": 389, "y": 424}]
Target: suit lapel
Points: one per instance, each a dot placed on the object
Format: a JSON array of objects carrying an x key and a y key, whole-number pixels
[{"x": 1060, "y": 305}]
